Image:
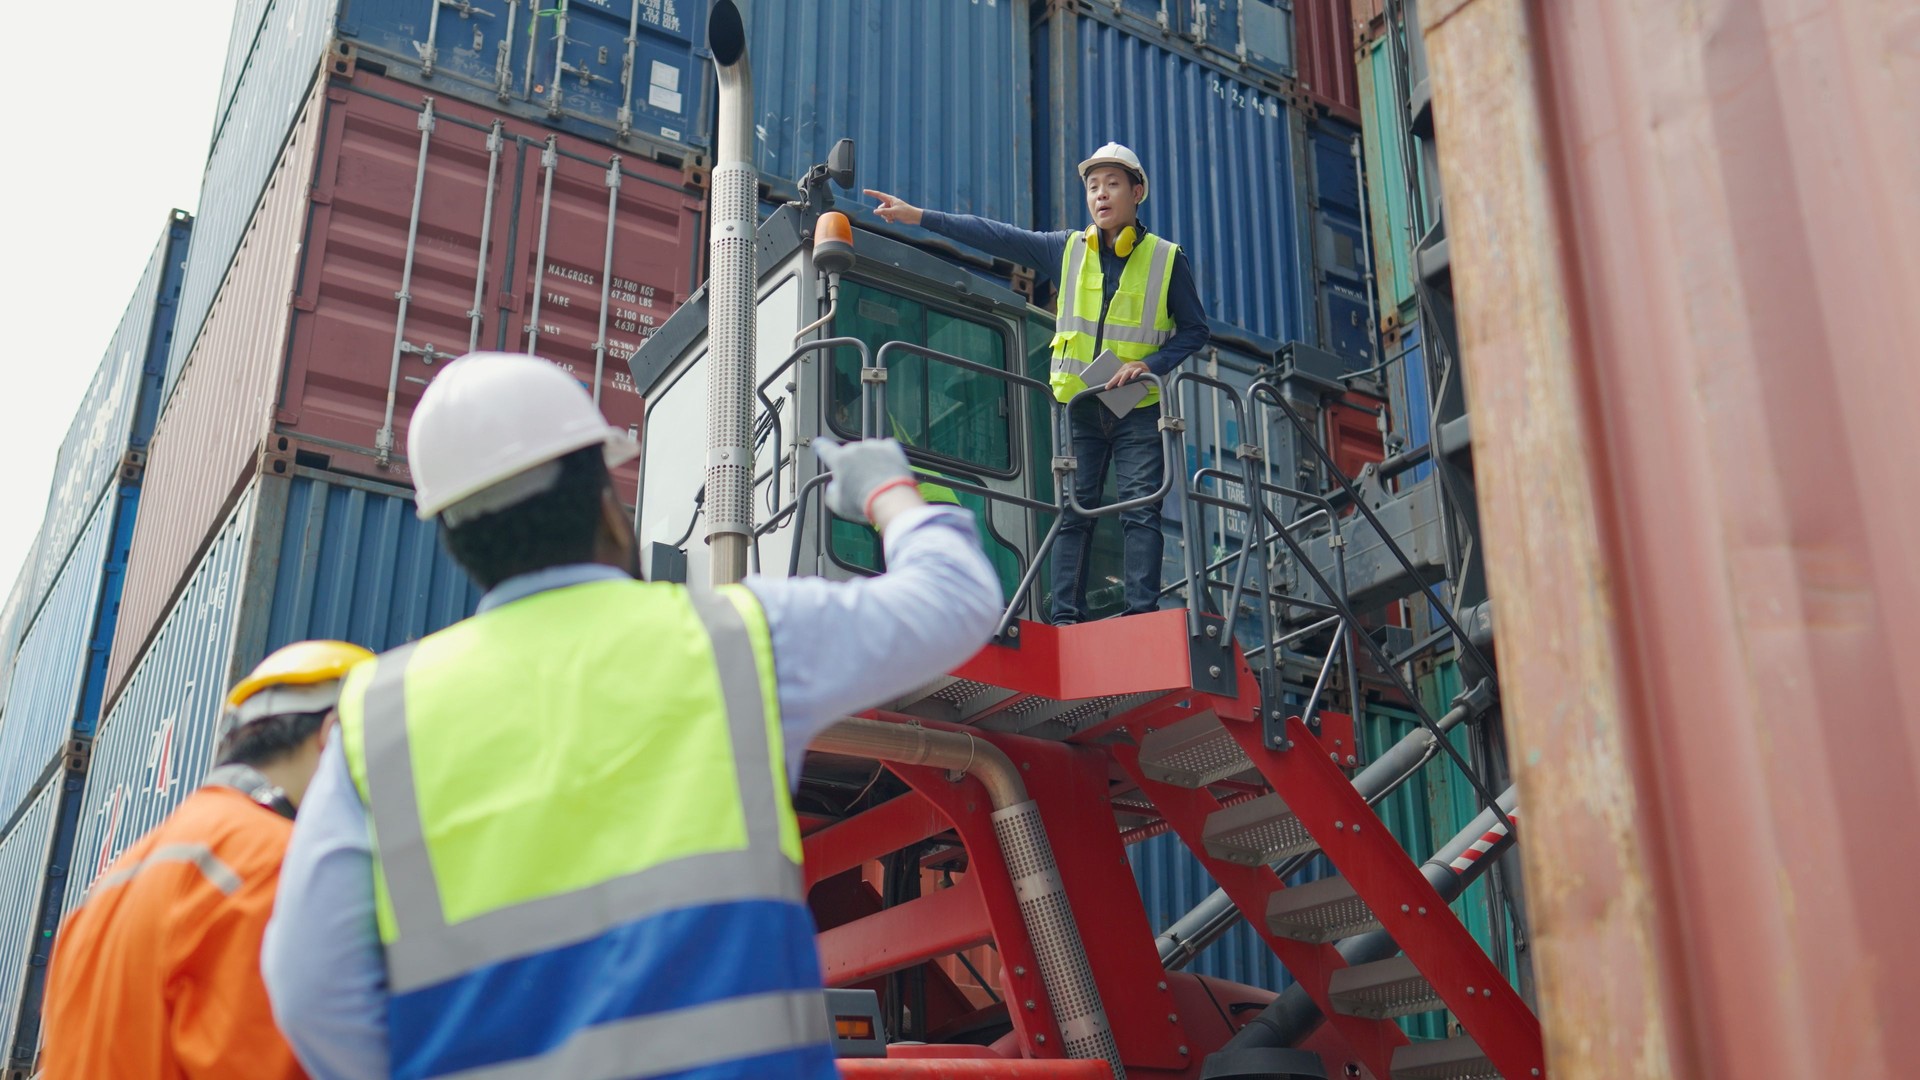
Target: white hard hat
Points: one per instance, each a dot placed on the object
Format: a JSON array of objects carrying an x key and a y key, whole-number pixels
[
  {"x": 1115, "y": 154},
  {"x": 486, "y": 425}
]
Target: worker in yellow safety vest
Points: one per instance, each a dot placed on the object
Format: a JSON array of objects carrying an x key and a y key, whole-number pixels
[
  {"x": 1124, "y": 290},
  {"x": 556, "y": 839}
]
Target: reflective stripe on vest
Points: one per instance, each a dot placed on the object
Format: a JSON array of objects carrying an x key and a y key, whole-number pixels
[
  {"x": 591, "y": 981},
  {"x": 1077, "y": 326}
]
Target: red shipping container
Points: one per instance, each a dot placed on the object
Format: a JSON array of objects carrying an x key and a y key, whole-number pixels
[
  {"x": 362, "y": 274},
  {"x": 1323, "y": 42},
  {"x": 1353, "y": 433}
]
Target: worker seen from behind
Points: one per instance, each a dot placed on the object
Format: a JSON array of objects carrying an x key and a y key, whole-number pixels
[
  {"x": 556, "y": 839},
  {"x": 1121, "y": 289},
  {"x": 157, "y": 975}
]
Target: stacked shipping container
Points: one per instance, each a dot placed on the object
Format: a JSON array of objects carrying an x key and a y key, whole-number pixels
[
  {"x": 64, "y": 610},
  {"x": 393, "y": 182},
  {"x": 501, "y": 235}
]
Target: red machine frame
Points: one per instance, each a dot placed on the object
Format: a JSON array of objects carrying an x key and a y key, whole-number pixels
[{"x": 1164, "y": 1023}]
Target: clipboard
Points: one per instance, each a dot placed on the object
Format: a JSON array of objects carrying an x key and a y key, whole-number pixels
[{"x": 1122, "y": 399}]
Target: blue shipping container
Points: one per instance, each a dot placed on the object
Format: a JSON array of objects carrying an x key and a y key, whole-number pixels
[
  {"x": 13, "y": 617},
  {"x": 1172, "y": 881},
  {"x": 604, "y": 69},
  {"x": 313, "y": 555},
  {"x": 156, "y": 740},
  {"x": 1253, "y": 37},
  {"x": 353, "y": 562},
  {"x": 1407, "y": 388},
  {"x": 934, "y": 94},
  {"x": 43, "y": 700},
  {"x": 116, "y": 414},
  {"x": 1219, "y": 155},
  {"x": 1341, "y": 256},
  {"x": 23, "y": 856},
  {"x": 273, "y": 57}
]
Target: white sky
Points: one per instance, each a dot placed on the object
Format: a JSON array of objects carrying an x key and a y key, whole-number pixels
[{"x": 102, "y": 137}]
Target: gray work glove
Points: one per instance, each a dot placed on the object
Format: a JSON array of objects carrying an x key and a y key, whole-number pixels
[{"x": 861, "y": 470}]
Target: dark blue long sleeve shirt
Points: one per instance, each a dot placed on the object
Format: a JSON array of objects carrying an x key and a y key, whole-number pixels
[{"x": 1042, "y": 251}]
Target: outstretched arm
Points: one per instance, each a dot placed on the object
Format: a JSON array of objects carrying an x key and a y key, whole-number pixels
[
  {"x": 843, "y": 646},
  {"x": 1039, "y": 250}
]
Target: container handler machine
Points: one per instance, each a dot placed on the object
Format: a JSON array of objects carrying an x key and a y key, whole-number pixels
[{"x": 984, "y": 819}]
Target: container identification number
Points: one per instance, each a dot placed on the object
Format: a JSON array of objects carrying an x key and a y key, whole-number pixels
[{"x": 1239, "y": 98}]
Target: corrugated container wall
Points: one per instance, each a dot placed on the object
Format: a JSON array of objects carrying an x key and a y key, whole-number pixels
[
  {"x": 332, "y": 236},
  {"x": 351, "y": 561},
  {"x": 115, "y": 415},
  {"x": 1343, "y": 297},
  {"x": 624, "y": 72},
  {"x": 1383, "y": 133},
  {"x": 302, "y": 556},
  {"x": 1220, "y": 154},
  {"x": 631, "y": 77},
  {"x": 1253, "y": 37},
  {"x": 1324, "y": 68},
  {"x": 934, "y": 95},
  {"x": 274, "y": 53},
  {"x": 23, "y": 859},
  {"x": 13, "y": 618},
  {"x": 43, "y": 699},
  {"x": 1411, "y": 409}
]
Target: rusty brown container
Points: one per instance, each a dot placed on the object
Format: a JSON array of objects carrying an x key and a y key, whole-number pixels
[
  {"x": 1323, "y": 41},
  {"x": 399, "y": 231},
  {"x": 1685, "y": 249}
]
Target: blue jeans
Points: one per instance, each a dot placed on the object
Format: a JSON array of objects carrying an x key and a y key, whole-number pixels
[{"x": 1132, "y": 444}]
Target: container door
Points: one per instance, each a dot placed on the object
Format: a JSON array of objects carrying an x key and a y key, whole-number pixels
[
  {"x": 1256, "y": 33},
  {"x": 478, "y": 46},
  {"x": 620, "y": 67},
  {"x": 1339, "y": 253}
]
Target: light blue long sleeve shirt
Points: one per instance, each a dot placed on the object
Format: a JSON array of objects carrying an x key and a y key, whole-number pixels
[{"x": 838, "y": 648}]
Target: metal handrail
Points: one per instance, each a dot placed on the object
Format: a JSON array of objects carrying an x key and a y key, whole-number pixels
[
  {"x": 1359, "y": 504},
  {"x": 760, "y": 391},
  {"x": 1247, "y": 452},
  {"x": 1380, "y": 657},
  {"x": 873, "y": 409}
]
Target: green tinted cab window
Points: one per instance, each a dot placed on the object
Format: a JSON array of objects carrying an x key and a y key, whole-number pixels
[{"x": 936, "y": 408}]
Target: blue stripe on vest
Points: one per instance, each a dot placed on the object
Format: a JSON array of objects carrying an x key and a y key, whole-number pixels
[
  {"x": 813, "y": 1063},
  {"x": 525, "y": 1007}
]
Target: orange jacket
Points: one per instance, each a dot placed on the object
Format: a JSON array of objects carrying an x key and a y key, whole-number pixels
[{"x": 157, "y": 975}]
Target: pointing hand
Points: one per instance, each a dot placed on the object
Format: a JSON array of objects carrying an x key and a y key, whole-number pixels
[{"x": 895, "y": 210}]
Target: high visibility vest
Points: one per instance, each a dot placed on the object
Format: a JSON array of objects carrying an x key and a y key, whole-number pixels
[
  {"x": 1136, "y": 322},
  {"x": 930, "y": 491},
  {"x": 587, "y": 863}
]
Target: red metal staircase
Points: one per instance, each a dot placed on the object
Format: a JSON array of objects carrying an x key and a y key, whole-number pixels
[{"x": 1099, "y": 715}]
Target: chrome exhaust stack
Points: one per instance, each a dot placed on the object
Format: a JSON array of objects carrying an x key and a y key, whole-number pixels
[{"x": 731, "y": 284}]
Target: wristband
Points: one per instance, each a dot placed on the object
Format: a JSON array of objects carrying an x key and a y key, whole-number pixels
[{"x": 899, "y": 481}]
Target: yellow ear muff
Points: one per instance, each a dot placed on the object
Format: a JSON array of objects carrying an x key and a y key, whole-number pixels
[{"x": 1123, "y": 244}]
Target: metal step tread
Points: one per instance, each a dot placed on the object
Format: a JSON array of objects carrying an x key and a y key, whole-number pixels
[
  {"x": 1319, "y": 912},
  {"x": 1193, "y": 753},
  {"x": 950, "y": 699},
  {"x": 1451, "y": 1059},
  {"x": 1383, "y": 990},
  {"x": 1256, "y": 832}
]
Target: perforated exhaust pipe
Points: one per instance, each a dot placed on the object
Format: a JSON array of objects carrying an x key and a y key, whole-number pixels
[
  {"x": 731, "y": 278},
  {"x": 1061, "y": 956}
]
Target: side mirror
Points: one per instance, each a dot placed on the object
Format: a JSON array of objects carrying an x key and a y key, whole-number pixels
[{"x": 840, "y": 163}]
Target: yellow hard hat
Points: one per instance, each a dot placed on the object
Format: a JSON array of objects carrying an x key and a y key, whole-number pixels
[{"x": 300, "y": 678}]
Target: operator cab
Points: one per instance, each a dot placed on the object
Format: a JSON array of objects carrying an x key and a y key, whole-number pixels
[{"x": 965, "y": 360}]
